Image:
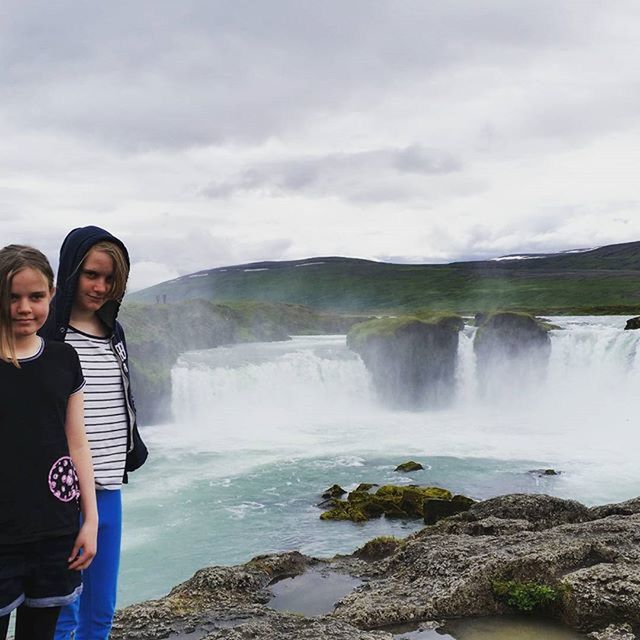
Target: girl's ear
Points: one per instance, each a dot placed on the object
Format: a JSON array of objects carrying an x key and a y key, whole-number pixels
[{"x": 53, "y": 291}]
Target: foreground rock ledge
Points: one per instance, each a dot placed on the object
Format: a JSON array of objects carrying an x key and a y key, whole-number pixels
[{"x": 443, "y": 571}]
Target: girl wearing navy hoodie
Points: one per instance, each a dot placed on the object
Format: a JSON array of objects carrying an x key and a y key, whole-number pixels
[{"x": 92, "y": 277}]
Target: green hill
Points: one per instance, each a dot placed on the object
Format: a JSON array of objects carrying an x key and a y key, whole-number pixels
[{"x": 603, "y": 280}]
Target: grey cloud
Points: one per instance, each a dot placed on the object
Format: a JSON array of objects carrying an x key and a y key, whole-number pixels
[
  {"x": 416, "y": 159},
  {"x": 353, "y": 176},
  {"x": 196, "y": 248},
  {"x": 163, "y": 74}
]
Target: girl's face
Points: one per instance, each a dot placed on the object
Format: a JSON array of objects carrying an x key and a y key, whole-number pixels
[
  {"x": 30, "y": 298},
  {"x": 94, "y": 282}
]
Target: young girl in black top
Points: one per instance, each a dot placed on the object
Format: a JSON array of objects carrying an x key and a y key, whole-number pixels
[{"x": 45, "y": 468}]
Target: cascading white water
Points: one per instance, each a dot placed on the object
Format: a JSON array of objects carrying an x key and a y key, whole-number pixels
[
  {"x": 312, "y": 395},
  {"x": 267, "y": 395}
]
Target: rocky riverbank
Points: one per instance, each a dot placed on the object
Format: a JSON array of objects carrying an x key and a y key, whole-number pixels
[{"x": 555, "y": 557}]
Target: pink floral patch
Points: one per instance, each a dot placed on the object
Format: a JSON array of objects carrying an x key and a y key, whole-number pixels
[{"x": 63, "y": 480}]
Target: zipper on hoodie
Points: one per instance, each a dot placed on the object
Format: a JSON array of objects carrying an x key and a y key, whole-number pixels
[{"x": 125, "y": 382}]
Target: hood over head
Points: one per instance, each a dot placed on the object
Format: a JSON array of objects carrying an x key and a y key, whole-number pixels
[{"x": 74, "y": 249}]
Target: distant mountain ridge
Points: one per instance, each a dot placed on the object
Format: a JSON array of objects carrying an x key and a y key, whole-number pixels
[{"x": 580, "y": 281}]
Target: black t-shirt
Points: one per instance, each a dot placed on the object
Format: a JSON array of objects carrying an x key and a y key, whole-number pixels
[{"x": 39, "y": 492}]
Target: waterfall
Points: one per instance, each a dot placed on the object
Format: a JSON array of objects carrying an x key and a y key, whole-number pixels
[
  {"x": 591, "y": 360},
  {"x": 312, "y": 393}
]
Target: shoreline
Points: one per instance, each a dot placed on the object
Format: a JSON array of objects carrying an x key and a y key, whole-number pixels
[{"x": 589, "y": 557}]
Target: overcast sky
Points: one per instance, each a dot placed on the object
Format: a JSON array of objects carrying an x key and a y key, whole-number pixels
[{"x": 207, "y": 133}]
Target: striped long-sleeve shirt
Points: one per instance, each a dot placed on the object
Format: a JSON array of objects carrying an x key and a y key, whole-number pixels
[{"x": 105, "y": 412}]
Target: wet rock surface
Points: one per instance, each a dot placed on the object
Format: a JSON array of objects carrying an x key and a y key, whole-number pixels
[
  {"x": 412, "y": 362},
  {"x": 429, "y": 503},
  {"x": 410, "y": 465},
  {"x": 633, "y": 323},
  {"x": 512, "y": 349},
  {"x": 614, "y": 632},
  {"x": 441, "y": 572}
]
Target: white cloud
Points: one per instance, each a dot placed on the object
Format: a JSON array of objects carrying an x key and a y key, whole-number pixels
[{"x": 144, "y": 274}]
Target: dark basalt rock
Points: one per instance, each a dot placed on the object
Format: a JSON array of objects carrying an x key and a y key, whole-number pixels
[
  {"x": 365, "y": 486},
  {"x": 334, "y": 491},
  {"x": 633, "y": 323},
  {"x": 511, "y": 349},
  {"x": 541, "y": 511},
  {"x": 412, "y": 362},
  {"x": 627, "y": 508},
  {"x": 438, "y": 509},
  {"x": 407, "y": 467},
  {"x": 541, "y": 473},
  {"x": 479, "y": 318},
  {"x": 378, "y": 548}
]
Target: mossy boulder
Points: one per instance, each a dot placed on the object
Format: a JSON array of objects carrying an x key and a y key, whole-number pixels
[
  {"x": 541, "y": 473},
  {"x": 334, "y": 491},
  {"x": 395, "y": 501},
  {"x": 511, "y": 349},
  {"x": 365, "y": 486},
  {"x": 343, "y": 510},
  {"x": 378, "y": 548},
  {"x": 436, "y": 509},
  {"x": 412, "y": 361},
  {"x": 407, "y": 467}
]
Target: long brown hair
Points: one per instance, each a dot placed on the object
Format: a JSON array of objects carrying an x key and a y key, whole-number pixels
[
  {"x": 120, "y": 267},
  {"x": 13, "y": 259}
]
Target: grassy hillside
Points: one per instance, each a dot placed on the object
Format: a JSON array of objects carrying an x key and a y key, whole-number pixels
[{"x": 604, "y": 280}]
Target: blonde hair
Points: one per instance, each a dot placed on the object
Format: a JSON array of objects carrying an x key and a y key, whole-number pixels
[
  {"x": 13, "y": 259},
  {"x": 120, "y": 267}
]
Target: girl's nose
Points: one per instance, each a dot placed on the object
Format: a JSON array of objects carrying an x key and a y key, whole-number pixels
[{"x": 24, "y": 307}]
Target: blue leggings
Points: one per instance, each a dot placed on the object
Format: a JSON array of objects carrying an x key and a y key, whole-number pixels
[{"x": 91, "y": 615}]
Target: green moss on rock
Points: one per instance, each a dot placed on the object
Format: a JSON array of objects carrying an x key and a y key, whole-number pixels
[
  {"x": 407, "y": 467},
  {"x": 334, "y": 491},
  {"x": 365, "y": 486},
  {"x": 394, "y": 501},
  {"x": 526, "y": 596}
]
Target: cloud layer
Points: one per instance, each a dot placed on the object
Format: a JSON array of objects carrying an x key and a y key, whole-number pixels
[{"x": 205, "y": 133}]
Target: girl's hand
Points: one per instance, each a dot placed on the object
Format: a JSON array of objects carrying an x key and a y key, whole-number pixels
[{"x": 85, "y": 547}]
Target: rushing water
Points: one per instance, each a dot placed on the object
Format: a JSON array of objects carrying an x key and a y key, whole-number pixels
[{"x": 262, "y": 429}]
